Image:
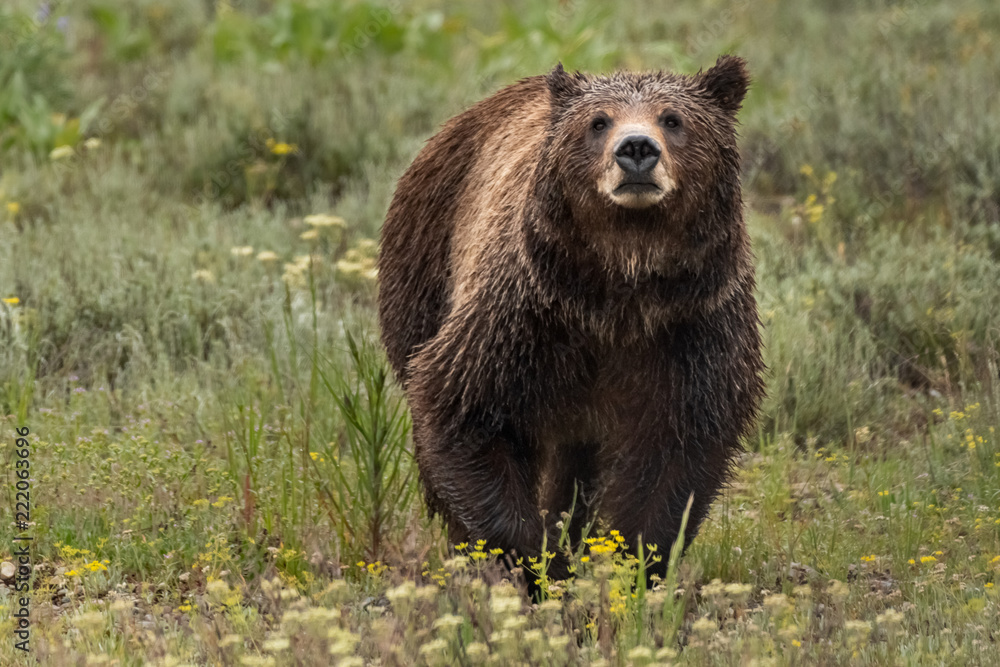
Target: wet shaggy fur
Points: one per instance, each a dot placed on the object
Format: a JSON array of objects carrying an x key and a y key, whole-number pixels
[{"x": 549, "y": 339}]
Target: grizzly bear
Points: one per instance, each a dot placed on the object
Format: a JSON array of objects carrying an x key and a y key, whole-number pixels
[{"x": 567, "y": 297}]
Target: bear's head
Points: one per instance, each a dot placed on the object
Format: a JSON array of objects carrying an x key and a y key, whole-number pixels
[
  {"x": 640, "y": 140},
  {"x": 645, "y": 164}
]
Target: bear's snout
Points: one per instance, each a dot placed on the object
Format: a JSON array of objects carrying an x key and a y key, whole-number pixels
[
  {"x": 636, "y": 173},
  {"x": 637, "y": 154}
]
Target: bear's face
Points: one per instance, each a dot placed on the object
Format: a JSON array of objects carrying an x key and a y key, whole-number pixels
[
  {"x": 645, "y": 141},
  {"x": 625, "y": 144}
]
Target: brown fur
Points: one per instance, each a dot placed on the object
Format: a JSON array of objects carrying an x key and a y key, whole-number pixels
[{"x": 550, "y": 332}]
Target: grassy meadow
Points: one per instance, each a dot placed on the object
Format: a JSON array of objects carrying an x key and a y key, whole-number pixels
[{"x": 220, "y": 464}]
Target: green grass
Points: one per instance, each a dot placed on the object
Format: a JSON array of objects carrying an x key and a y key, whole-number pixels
[{"x": 221, "y": 467}]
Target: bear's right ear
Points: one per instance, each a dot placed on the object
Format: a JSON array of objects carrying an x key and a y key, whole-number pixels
[
  {"x": 562, "y": 85},
  {"x": 726, "y": 82}
]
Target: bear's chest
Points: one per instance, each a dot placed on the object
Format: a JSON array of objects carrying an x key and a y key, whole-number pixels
[{"x": 627, "y": 388}]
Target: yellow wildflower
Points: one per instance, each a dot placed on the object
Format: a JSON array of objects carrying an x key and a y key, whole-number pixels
[
  {"x": 203, "y": 276},
  {"x": 324, "y": 220},
  {"x": 61, "y": 152},
  {"x": 280, "y": 147}
]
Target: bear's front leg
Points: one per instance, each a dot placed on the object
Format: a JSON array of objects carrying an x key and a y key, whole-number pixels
[
  {"x": 681, "y": 407},
  {"x": 481, "y": 480},
  {"x": 649, "y": 490}
]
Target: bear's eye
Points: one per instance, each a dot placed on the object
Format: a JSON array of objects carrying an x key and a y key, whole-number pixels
[
  {"x": 672, "y": 121},
  {"x": 599, "y": 124}
]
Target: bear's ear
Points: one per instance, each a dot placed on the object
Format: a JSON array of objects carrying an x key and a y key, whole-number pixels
[
  {"x": 726, "y": 82},
  {"x": 562, "y": 85}
]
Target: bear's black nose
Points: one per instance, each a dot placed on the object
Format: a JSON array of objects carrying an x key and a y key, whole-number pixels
[{"x": 637, "y": 154}]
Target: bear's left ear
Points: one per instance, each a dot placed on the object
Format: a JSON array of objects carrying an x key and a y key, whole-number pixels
[
  {"x": 726, "y": 82},
  {"x": 562, "y": 85}
]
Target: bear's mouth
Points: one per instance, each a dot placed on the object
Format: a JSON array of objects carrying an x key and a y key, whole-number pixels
[{"x": 637, "y": 188}]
